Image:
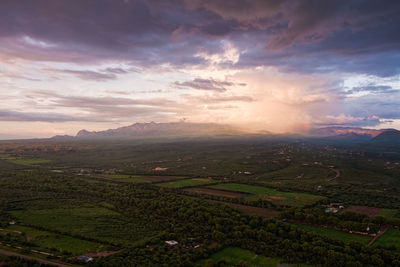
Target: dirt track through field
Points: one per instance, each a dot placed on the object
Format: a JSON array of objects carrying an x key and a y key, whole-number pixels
[{"x": 336, "y": 176}]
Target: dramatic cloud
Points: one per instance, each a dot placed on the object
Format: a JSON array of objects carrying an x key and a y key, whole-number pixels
[
  {"x": 205, "y": 84},
  {"x": 275, "y": 65}
]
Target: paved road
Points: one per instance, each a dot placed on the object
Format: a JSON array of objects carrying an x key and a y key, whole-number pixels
[{"x": 9, "y": 253}]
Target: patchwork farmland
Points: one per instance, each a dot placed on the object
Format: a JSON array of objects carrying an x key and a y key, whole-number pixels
[{"x": 279, "y": 198}]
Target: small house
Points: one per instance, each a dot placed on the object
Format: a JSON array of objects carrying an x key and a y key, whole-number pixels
[
  {"x": 85, "y": 259},
  {"x": 171, "y": 243}
]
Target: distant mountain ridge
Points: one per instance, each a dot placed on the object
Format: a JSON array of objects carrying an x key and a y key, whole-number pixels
[
  {"x": 343, "y": 132},
  {"x": 187, "y": 129},
  {"x": 170, "y": 129},
  {"x": 388, "y": 136}
]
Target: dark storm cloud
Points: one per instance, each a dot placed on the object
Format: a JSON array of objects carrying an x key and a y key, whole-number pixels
[
  {"x": 372, "y": 89},
  {"x": 303, "y": 36},
  {"x": 205, "y": 84}
]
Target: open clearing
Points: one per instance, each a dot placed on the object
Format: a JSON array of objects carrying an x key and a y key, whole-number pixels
[
  {"x": 388, "y": 239},
  {"x": 249, "y": 210},
  {"x": 47, "y": 240},
  {"x": 215, "y": 192},
  {"x": 339, "y": 235},
  {"x": 369, "y": 211},
  {"x": 272, "y": 195},
  {"x": 389, "y": 213},
  {"x": 158, "y": 179},
  {"x": 126, "y": 178},
  {"x": 186, "y": 183},
  {"x": 30, "y": 162},
  {"x": 234, "y": 256},
  {"x": 84, "y": 220}
]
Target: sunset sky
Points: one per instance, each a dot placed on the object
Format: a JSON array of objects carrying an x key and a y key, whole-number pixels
[{"x": 280, "y": 66}]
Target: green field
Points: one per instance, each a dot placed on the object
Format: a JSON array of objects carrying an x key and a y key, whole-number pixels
[
  {"x": 339, "y": 235},
  {"x": 388, "y": 239},
  {"x": 272, "y": 195},
  {"x": 235, "y": 256},
  {"x": 86, "y": 220},
  {"x": 127, "y": 178},
  {"x": 47, "y": 241},
  {"x": 30, "y": 162},
  {"x": 186, "y": 183},
  {"x": 389, "y": 213}
]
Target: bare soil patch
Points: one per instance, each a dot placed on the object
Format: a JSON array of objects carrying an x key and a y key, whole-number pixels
[
  {"x": 215, "y": 192},
  {"x": 369, "y": 211}
]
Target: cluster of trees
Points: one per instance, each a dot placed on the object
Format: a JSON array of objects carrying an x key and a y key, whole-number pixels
[
  {"x": 350, "y": 221},
  {"x": 346, "y": 221}
]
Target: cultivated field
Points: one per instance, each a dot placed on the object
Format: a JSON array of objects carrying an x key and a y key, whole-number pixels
[
  {"x": 84, "y": 220},
  {"x": 48, "y": 241},
  {"x": 159, "y": 179},
  {"x": 389, "y": 239},
  {"x": 339, "y": 235},
  {"x": 249, "y": 210},
  {"x": 30, "y": 162},
  {"x": 369, "y": 211},
  {"x": 186, "y": 183},
  {"x": 389, "y": 213},
  {"x": 126, "y": 178},
  {"x": 237, "y": 256},
  {"x": 272, "y": 195},
  {"x": 215, "y": 192}
]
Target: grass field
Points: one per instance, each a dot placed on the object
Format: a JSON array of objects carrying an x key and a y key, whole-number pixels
[
  {"x": 30, "y": 162},
  {"x": 186, "y": 183},
  {"x": 339, "y": 235},
  {"x": 83, "y": 219},
  {"x": 390, "y": 238},
  {"x": 389, "y": 213},
  {"x": 273, "y": 195},
  {"x": 127, "y": 178},
  {"x": 47, "y": 241},
  {"x": 234, "y": 256}
]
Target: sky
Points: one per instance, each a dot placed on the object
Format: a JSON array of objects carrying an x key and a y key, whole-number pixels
[{"x": 275, "y": 65}]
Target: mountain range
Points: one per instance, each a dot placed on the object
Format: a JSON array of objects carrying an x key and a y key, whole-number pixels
[
  {"x": 186, "y": 129},
  {"x": 172, "y": 129}
]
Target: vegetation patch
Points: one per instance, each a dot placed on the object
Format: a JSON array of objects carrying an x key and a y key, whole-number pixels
[
  {"x": 186, "y": 183},
  {"x": 84, "y": 220},
  {"x": 126, "y": 178},
  {"x": 338, "y": 235},
  {"x": 158, "y": 179},
  {"x": 49, "y": 241},
  {"x": 389, "y": 239},
  {"x": 239, "y": 257},
  {"x": 215, "y": 192},
  {"x": 369, "y": 211},
  {"x": 389, "y": 213},
  {"x": 30, "y": 162},
  {"x": 272, "y": 195},
  {"x": 249, "y": 210}
]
